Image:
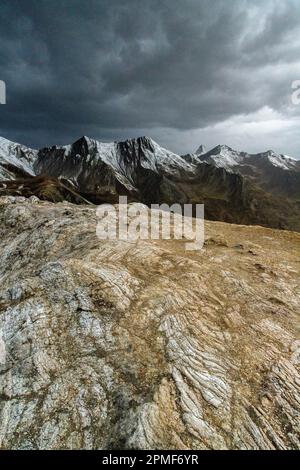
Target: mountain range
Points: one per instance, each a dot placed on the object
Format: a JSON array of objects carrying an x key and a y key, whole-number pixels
[{"x": 235, "y": 186}]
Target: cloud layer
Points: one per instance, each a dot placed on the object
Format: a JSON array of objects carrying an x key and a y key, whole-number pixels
[{"x": 182, "y": 72}]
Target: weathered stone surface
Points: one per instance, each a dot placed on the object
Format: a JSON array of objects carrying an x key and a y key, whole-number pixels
[{"x": 115, "y": 344}]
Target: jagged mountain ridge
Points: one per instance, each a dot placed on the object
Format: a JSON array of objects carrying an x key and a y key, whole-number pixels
[
  {"x": 225, "y": 156},
  {"x": 232, "y": 184},
  {"x": 271, "y": 171},
  {"x": 110, "y": 168}
]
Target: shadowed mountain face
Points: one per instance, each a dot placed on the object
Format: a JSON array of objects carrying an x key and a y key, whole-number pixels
[{"x": 234, "y": 186}]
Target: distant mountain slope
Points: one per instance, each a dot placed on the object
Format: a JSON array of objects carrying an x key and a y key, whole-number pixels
[
  {"x": 15, "y": 160},
  {"x": 235, "y": 186},
  {"x": 273, "y": 172}
]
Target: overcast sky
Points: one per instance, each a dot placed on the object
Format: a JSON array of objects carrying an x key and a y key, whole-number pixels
[{"x": 183, "y": 72}]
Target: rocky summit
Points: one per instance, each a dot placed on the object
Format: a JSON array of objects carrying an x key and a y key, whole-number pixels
[
  {"x": 117, "y": 344},
  {"x": 235, "y": 187}
]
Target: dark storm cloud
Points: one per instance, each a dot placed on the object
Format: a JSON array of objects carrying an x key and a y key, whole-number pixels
[{"x": 113, "y": 68}]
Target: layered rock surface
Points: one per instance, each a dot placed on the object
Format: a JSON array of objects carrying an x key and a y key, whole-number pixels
[{"x": 118, "y": 344}]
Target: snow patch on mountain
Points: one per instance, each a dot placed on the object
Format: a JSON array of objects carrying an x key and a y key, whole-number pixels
[
  {"x": 168, "y": 160},
  {"x": 201, "y": 150},
  {"x": 16, "y": 155}
]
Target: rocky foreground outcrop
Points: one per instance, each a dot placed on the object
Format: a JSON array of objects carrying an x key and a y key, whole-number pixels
[{"x": 116, "y": 344}]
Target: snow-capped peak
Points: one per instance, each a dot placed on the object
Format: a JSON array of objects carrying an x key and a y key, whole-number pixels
[
  {"x": 17, "y": 155},
  {"x": 201, "y": 150},
  {"x": 86, "y": 158},
  {"x": 223, "y": 156},
  {"x": 278, "y": 160},
  {"x": 152, "y": 156}
]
